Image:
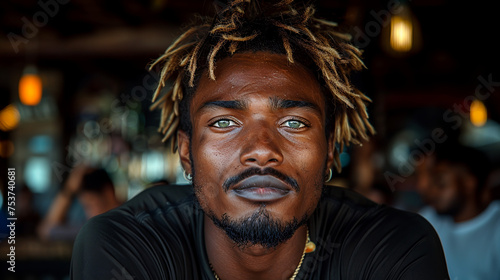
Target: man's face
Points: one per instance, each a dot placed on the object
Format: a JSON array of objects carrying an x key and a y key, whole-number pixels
[
  {"x": 258, "y": 145},
  {"x": 446, "y": 191}
]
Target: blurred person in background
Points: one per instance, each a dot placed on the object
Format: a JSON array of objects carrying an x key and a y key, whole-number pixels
[
  {"x": 365, "y": 174},
  {"x": 26, "y": 213},
  {"x": 93, "y": 188},
  {"x": 453, "y": 184}
]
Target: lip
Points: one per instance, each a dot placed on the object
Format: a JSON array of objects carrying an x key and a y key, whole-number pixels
[{"x": 260, "y": 188}]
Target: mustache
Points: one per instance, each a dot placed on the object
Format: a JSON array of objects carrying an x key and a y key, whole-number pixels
[{"x": 231, "y": 181}]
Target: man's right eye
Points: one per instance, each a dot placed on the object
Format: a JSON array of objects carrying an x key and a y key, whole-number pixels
[{"x": 224, "y": 123}]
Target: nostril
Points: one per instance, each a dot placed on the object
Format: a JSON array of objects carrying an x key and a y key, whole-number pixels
[
  {"x": 262, "y": 152},
  {"x": 253, "y": 160}
]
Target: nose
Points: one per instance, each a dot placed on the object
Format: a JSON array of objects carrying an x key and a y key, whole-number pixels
[{"x": 261, "y": 147}]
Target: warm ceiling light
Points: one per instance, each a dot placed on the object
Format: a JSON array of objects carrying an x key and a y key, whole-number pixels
[
  {"x": 401, "y": 33},
  {"x": 30, "y": 87},
  {"x": 478, "y": 113},
  {"x": 9, "y": 118}
]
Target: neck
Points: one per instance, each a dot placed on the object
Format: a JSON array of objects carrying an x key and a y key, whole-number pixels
[{"x": 253, "y": 262}]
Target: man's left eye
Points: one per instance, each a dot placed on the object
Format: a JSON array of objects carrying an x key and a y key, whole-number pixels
[
  {"x": 224, "y": 123},
  {"x": 294, "y": 124}
]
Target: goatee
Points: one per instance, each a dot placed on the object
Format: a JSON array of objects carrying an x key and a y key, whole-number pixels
[{"x": 258, "y": 229}]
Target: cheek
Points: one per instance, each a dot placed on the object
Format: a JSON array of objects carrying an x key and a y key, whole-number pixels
[
  {"x": 311, "y": 160},
  {"x": 213, "y": 160},
  {"x": 212, "y": 163},
  {"x": 310, "y": 168}
]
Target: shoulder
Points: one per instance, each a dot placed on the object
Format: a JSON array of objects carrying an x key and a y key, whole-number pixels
[
  {"x": 159, "y": 196},
  {"x": 150, "y": 204},
  {"x": 337, "y": 201},
  {"x": 347, "y": 196},
  {"x": 374, "y": 241},
  {"x": 398, "y": 243},
  {"x": 487, "y": 221},
  {"x": 494, "y": 207},
  {"x": 343, "y": 207},
  {"x": 342, "y": 204},
  {"x": 128, "y": 239}
]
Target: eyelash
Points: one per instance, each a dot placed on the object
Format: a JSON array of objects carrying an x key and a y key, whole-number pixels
[
  {"x": 213, "y": 123},
  {"x": 303, "y": 122}
]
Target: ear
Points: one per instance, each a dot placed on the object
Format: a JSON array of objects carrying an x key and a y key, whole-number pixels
[
  {"x": 183, "y": 149},
  {"x": 330, "y": 158}
]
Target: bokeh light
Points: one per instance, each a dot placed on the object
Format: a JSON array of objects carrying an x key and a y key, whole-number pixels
[
  {"x": 478, "y": 113},
  {"x": 401, "y": 34},
  {"x": 9, "y": 118},
  {"x": 30, "y": 87}
]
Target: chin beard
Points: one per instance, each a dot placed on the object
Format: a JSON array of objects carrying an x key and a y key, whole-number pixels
[{"x": 257, "y": 229}]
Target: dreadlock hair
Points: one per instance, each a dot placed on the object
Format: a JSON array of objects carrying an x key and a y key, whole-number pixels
[{"x": 282, "y": 28}]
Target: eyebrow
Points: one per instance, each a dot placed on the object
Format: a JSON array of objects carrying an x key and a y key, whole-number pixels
[
  {"x": 231, "y": 104},
  {"x": 279, "y": 103},
  {"x": 275, "y": 102}
]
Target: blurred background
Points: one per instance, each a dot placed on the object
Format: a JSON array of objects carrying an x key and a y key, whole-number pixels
[{"x": 75, "y": 89}]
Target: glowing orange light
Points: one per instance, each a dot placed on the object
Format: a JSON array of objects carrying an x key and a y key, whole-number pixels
[
  {"x": 30, "y": 88},
  {"x": 478, "y": 113},
  {"x": 9, "y": 118},
  {"x": 401, "y": 33}
]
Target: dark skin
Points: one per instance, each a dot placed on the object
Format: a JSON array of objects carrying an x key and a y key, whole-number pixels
[
  {"x": 452, "y": 190},
  {"x": 273, "y": 115}
]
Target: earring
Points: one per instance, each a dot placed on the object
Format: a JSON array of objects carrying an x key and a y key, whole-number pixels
[
  {"x": 188, "y": 177},
  {"x": 329, "y": 176}
]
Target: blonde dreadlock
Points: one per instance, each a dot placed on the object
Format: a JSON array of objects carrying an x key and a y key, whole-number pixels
[{"x": 199, "y": 47}]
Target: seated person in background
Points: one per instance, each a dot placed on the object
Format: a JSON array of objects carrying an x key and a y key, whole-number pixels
[
  {"x": 460, "y": 210},
  {"x": 260, "y": 99},
  {"x": 94, "y": 190}
]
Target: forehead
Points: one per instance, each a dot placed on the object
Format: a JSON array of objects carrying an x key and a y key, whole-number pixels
[{"x": 259, "y": 72}]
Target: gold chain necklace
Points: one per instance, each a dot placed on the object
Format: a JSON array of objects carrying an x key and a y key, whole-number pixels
[{"x": 308, "y": 248}]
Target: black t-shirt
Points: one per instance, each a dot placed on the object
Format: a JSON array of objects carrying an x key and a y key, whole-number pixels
[{"x": 159, "y": 235}]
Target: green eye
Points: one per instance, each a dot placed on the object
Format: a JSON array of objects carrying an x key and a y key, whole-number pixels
[
  {"x": 224, "y": 123},
  {"x": 294, "y": 124}
]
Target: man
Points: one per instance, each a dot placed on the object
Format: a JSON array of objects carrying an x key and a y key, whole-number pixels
[
  {"x": 94, "y": 190},
  {"x": 260, "y": 99},
  {"x": 460, "y": 210}
]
